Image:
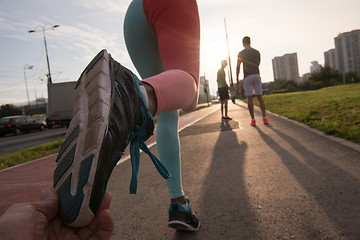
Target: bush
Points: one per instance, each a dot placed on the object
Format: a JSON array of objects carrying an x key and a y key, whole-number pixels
[{"x": 9, "y": 110}]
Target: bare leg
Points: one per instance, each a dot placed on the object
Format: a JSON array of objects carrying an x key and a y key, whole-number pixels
[
  {"x": 151, "y": 97},
  {"x": 226, "y": 107},
  {"x": 262, "y": 105},
  {"x": 181, "y": 200},
  {"x": 251, "y": 106},
  {"x": 222, "y": 108}
]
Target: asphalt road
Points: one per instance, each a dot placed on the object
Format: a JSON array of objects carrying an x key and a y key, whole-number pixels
[
  {"x": 11, "y": 143},
  {"x": 282, "y": 181}
]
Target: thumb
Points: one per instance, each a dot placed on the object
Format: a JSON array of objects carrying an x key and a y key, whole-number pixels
[{"x": 49, "y": 204}]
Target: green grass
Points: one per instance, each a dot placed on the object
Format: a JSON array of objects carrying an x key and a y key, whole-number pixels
[
  {"x": 29, "y": 154},
  {"x": 333, "y": 110}
]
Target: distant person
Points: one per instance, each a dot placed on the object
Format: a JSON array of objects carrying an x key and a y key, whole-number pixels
[
  {"x": 250, "y": 58},
  {"x": 223, "y": 89}
]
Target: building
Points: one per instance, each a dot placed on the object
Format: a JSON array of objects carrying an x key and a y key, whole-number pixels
[
  {"x": 331, "y": 59},
  {"x": 305, "y": 77},
  {"x": 315, "y": 67},
  {"x": 286, "y": 67},
  {"x": 204, "y": 91},
  {"x": 203, "y": 85},
  {"x": 347, "y": 47}
]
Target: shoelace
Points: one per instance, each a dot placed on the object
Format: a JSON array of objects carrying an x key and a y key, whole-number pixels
[{"x": 135, "y": 146}]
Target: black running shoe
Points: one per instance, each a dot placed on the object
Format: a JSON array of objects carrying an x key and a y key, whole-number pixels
[
  {"x": 183, "y": 219},
  {"x": 109, "y": 113},
  {"x": 226, "y": 118}
]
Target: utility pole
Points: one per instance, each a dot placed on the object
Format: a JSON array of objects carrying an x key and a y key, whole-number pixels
[
  {"x": 43, "y": 29},
  {"x": 27, "y": 91},
  {"x": 232, "y": 89},
  {"x": 206, "y": 89}
]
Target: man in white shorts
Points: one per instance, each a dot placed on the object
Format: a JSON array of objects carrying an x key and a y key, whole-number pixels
[{"x": 250, "y": 58}]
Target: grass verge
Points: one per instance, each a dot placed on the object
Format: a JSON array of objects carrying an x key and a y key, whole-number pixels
[
  {"x": 29, "y": 154},
  {"x": 333, "y": 110}
]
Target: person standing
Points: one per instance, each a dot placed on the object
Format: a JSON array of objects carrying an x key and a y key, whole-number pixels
[
  {"x": 223, "y": 89},
  {"x": 250, "y": 58}
]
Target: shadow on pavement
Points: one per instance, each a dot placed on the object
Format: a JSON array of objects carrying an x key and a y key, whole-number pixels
[
  {"x": 333, "y": 190},
  {"x": 225, "y": 209}
]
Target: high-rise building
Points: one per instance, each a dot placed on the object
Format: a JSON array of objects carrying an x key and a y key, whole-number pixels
[
  {"x": 286, "y": 67},
  {"x": 315, "y": 67},
  {"x": 347, "y": 46},
  {"x": 203, "y": 85},
  {"x": 331, "y": 59},
  {"x": 204, "y": 91}
]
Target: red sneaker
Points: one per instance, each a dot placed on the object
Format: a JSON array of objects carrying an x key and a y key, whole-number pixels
[
  {"x": 253, "y": 122},
  {"x": 265, "y": 120}
]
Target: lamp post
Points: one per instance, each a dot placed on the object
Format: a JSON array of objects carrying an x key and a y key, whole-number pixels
[
  {"x": 27, "y": 91},
  {"x": 43, "y": 29}
]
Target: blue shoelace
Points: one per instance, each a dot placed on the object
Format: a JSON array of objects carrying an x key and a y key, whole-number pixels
[
  {"x": 135, "y": 146},
  {"x": 137, "y": 143}
]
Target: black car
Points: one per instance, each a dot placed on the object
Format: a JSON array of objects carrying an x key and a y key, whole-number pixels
[{"x": 18, "y": 124}]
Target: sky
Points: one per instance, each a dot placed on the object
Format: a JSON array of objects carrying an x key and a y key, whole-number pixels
[{"x": 276, "y": 27}]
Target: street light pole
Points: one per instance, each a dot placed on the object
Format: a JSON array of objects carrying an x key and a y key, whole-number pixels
[
  {"x": 43, "y": 29},
  {"x": 232, "y": 87},
  {"x": 27, "y": 91}
]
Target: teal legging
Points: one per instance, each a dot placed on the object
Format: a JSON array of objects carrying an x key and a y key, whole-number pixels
[{"x": 142, "y": 46}]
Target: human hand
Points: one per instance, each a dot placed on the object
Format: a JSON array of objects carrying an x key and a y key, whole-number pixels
[{"x": 41, "y": 220}]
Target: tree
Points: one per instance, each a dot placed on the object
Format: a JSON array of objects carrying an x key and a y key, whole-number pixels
[
  {"x": 352, "y": 77},
  {"x": 9, "y": 110},
  {"x": 281, "y": 86},
  {"x": 327, "y": 76}
]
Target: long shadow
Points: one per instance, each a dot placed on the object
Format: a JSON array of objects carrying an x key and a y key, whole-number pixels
[
  {"x": 225, "y": 207},
  {"x": 242, "y": 106},
  {"x": 336, "y": 192}
]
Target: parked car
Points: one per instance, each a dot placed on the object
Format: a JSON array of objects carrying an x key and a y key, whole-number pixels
[
  {"x": 18, "y": 124},
  {"x": 40, "y": 118}
]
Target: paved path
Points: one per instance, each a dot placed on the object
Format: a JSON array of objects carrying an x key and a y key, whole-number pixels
[{"x": 282, "y": 181}]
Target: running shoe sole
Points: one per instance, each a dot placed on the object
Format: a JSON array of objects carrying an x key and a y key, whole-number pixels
[
  {"x": 181, "y": 219},
  {"x": 87, "y": 157},
  {"x": 181, "y": 226}
]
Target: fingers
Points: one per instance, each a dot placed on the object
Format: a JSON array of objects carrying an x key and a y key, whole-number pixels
[
  {"x": 49, "y": 204},
  {"x": 106, "y": 201},
  {"x": 102, "y": 225},
  {"x": 105, "y": 221},
  {"x": 106, "y": 224},
  {"x": 104, "y": 216}
]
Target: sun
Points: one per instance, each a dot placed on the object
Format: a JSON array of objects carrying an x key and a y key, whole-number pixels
[
  {"x": 214, "y": 49},
  {"x": 212, "y": 52}
]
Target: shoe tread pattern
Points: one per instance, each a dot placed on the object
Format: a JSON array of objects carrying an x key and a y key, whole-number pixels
[
  {"x": 64, "y": 165},
  {"x": 88, "y": 116},
  {"x": 67, "y": 142},
  {"x": 70, "y": 205}
]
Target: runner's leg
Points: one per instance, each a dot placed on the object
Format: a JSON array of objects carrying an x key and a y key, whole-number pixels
[{"x": 157, "y": 59}]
